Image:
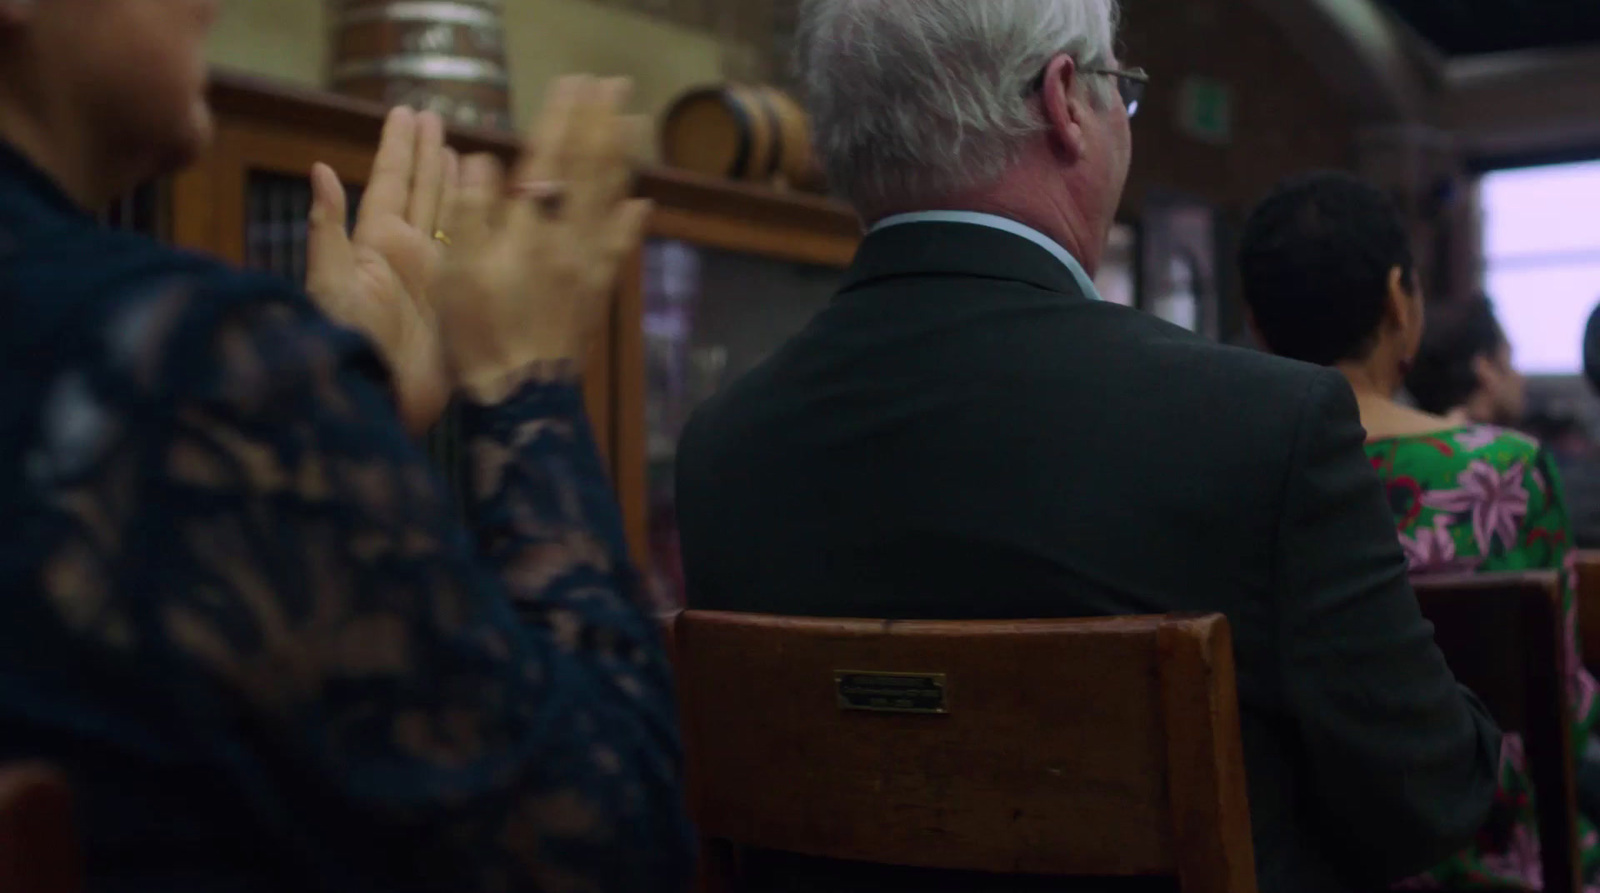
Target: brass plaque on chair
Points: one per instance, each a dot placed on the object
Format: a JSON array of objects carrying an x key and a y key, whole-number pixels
[{"x": 891, "y": 692}]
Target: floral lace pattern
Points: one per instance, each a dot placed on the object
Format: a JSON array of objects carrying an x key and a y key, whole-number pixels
[{"x": 227, "y": 506}]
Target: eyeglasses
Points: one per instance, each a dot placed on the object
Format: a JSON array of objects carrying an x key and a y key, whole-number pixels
[{"x": 1131, "y": 83}]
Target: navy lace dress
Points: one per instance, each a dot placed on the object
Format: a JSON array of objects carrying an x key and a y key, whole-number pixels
[{"x": 240, "y": 610}]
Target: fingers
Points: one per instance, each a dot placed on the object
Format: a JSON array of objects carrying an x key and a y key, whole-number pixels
[
  {"x": 393, "y": 170},
  {"x": 627, "y": 229},
  {"x": 329, "y": 258},
  {"x": 601, "y": 134},
  {"x": 601, "y": 171},
  {"x": 478, "y": 201},
  {"x": 329, "y": 204},
  {"x": 584, "y": 144},
  {"x": 541, "y": 156},
  {"x": 427, "y": 183},
  {"x": 449, "y": 192},
  {"x": 627, "y": 141}
]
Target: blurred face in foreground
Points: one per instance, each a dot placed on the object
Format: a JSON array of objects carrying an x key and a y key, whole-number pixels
[{"x": 105, "y": 93}]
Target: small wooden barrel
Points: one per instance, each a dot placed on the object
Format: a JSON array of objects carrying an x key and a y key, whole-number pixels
[
  {"x": 445, "y": 55},
  {"x": 742, "y": 132}
]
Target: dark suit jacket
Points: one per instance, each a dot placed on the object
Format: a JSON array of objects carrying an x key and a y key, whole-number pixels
[{"x": 963, "y": 434}]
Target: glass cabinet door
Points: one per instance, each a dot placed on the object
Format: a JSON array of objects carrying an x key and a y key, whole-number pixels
[{"x": 710, "y": 316}]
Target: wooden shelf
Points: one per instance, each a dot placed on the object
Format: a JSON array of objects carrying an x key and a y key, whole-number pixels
[{"x": 269, "y": 128}]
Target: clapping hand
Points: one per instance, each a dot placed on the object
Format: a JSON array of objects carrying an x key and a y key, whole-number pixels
[
  {"x": 533, "y": 264},
  {"x": 377, "y": 279}
]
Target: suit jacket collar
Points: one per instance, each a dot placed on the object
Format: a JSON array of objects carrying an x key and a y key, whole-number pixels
[{"x": 957, "y": 249}]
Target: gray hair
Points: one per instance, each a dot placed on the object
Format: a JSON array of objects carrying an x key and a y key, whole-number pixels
[{"x": 916, "y": 98}]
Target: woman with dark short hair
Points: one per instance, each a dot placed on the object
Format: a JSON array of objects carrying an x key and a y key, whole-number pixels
[
  {"x": 1329, "y": 279},
  {"x": 1464, "y": 370}
]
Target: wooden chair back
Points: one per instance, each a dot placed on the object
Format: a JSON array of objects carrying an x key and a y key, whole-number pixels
[
  {"x": 1588, "y": 586},
  {"x": 38, "y": 844},
  {"x": 1104, "y": 747},
  {"x": 1502, "y": 636}
]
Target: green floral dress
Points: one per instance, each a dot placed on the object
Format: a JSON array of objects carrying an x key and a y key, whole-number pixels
[{"x": 1481, "y": 498}]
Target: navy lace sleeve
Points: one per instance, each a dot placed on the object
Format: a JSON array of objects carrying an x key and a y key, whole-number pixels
[{"x": 239, "y": 513}]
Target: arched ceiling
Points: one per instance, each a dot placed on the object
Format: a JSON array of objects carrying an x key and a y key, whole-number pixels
[
  {"x": 1385, "y": 73},
  {"x": 1473, "y": 27}
]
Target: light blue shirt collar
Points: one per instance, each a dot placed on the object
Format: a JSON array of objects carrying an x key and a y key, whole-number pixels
[{"x": 1003, "y": 224}]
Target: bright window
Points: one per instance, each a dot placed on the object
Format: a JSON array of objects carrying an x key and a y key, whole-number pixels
[{"x": 1541, "y": 245}]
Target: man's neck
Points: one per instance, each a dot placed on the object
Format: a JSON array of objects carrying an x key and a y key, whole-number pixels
[
  {"x": 1060, "y": 223},
  {"x": 1014, "y": 199}
]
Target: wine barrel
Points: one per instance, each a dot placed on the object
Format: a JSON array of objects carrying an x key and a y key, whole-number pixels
[
  {"x": 742, "y": 132},
  {"x": 445, "y": 55}
]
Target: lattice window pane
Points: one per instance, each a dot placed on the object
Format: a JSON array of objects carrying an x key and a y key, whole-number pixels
[{"x": 277, "y": 210}]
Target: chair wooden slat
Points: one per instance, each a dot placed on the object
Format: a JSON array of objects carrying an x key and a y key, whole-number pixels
[
  {"x": 1502, "y": 636},
  {"x": 1105, "y": 747},
  {"x": 1210, "y": 806}
]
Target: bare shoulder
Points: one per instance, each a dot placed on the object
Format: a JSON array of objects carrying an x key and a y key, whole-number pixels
[{"x": 1386, "y": 420}]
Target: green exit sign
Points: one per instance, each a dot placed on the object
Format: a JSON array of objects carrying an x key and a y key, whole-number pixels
[{"x": 1205, "y": 110}]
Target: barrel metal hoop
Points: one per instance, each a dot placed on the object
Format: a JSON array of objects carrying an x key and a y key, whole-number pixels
[
  {"x": 426, "y": 67},
  {"x": 741, "y": 157},
  {"x": 348, "y": 6},
  {"x": 775, "y": 127},
  {"x": 433, "y": 12}
]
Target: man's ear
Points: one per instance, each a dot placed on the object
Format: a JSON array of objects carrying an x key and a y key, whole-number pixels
[{"x": 1065, "y": 108}]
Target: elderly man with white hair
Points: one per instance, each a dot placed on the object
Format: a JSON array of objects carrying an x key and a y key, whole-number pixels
[{"x": 967, "y": 431}]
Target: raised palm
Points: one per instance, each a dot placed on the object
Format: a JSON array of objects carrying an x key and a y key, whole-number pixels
[{"x": 377, "y": 279}]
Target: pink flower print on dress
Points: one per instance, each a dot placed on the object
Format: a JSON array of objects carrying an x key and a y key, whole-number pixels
[
  {"x": 1433, "y": 550},
  {"x": 1520, "y": 859},
  {"x": 1497, "y": 501},
  {"x": 1477, "y": 437},
  {"x": 1512, "y": 754}
]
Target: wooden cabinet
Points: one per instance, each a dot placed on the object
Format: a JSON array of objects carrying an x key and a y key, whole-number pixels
[{"x": 736, "y": 268}]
